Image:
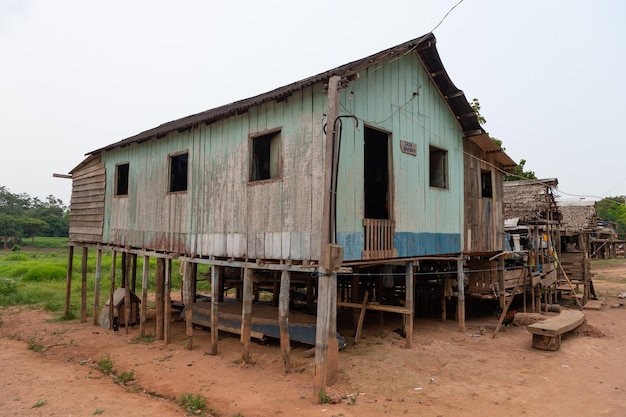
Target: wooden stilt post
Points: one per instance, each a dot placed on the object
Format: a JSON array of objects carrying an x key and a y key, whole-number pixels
[
  {"x": 460, "y": 280},
  {"x": 83, "y": 286},
  {"x": 144, "y": 295},
  {"x": 96, "y": 296},
  {"x": 167, "y": 303},
  {"x": 326, "y": 345},
  {"x": 127, "y": 302},
  {"x": 68, "y": 280},
  {"x": 246, "y": 314},
  {"x": 188, "y": 300},
  {"x": 283, "y": 319},
  {"x": 216, "y": 273},
  {"x": 111, "y": 306},
  {"x": 159, "y": 297},
  {"x": 409, "y": 303},
  {"x": 133, "y": 272}
]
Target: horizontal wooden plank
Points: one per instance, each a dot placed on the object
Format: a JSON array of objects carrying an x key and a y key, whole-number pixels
[
  {"x": 375, "y": 307},
  {"x": 554, "y": 326}
]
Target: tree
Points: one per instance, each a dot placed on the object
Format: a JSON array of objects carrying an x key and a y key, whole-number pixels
[
  {"x": 32, "y": 227},
  {"x": 518, "y": 173},
  {"x": 613, "y": 209},
  {"x": 9, "y": 229}
]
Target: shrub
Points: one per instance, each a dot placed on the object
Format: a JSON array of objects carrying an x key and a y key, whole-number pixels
[
  {"x": 191, "y": 404},
  {"x": 105, "y": 365}
]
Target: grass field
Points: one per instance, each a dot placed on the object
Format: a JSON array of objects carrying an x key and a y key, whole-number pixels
[{"x": 36, "y": 275}]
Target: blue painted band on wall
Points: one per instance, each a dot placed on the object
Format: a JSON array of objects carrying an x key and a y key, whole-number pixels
[{"x": 407, "y": 244}]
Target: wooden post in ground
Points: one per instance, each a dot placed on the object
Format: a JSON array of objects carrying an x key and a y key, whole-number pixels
[
  {"x": 111, "y": 306},
  {"x": 326, "y": 345},
  {"x": 188, "y": 300},
  {"x": 68, "y": 280},
  {"x": 216, "y": 274},
  {"x": 133, "y": 273},
  {"x": 167, "y": 302},
  {"x": 359, "y": 323},
  {"x": 460, "y": 280},
  {"x": 96, "y": 296},
  {"x": 83, "y": 286},
  {"x": 246, "y": 314},
  {"x": 159, "y": 297},
  {"x": 409, "y": 303},
  {"x": 283, "y": 319},
  {"x": 144, "y": 295},
  {"x": 127, "y": 302}
]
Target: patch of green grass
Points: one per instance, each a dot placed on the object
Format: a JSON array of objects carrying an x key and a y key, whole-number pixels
[
  {"x": 149, "y": 338},
  {"x": 98, "y": 411},
  {"x": 193, "y": 405},
  {"x": 324, "y": 398},
  {"x": 40, "y": 403},
  {"x": 126, "y": 377},
  {"x": 46, "y": 242},
  {"x": 105, "y": 365}
]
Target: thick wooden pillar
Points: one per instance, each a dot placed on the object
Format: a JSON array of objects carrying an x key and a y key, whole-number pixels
[
  {"x": 111, "y": 306},
  {"x": 216, "y": 290},
  {"x": 133, "y": 272},
  {"x": 246, "y": 314},
  {"x": 188, "y": 300},
  {"x": 127, "y": 302},
  {"x": 460, "y": 280},
  {"x": 167, "y": 302},
  {"x": 96, "y": 296},
  {"x": 409, "y": 303},
  {"x": 283, "y": 319},
  {"x": 83, "y": 286},
  {"x": 159, "y": 297},
  {"x": 144, "y": 295},
  {"x": 68, "y": 280},
  {"x": 326, "y": 345}
]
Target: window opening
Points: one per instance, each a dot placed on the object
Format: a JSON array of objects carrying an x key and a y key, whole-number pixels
[
  {"x": 438, "y": 167},
  {"x": 265, "y": 162},
  {"x": 121, "y": 179},
  {"x": 178, "y": 172},
  {"x": 486, "y": 187}
]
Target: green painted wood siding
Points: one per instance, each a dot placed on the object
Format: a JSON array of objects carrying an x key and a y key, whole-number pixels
[{"x": 223, "y": 214}]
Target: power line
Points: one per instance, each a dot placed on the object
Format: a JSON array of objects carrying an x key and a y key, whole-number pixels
[{"x": 446, "y": 15}]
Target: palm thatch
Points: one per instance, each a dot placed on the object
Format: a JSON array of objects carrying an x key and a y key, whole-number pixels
[
  {"x": 578, "y": 217},
  {"x": 530, "y": 201}
]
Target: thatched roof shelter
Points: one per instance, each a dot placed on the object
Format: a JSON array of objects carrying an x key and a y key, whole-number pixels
[
  {"x": 531, "y": 201},
  {"x": 578, "y": 216}
]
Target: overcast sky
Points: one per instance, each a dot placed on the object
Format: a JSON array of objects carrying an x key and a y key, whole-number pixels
[{"x": 77, "y": 75}]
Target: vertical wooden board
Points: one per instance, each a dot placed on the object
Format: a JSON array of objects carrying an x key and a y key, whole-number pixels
[
  {"x": 285, "y": 245},
  {"x": 260, "y": 245},
  {"x": 295, "y": 246}
]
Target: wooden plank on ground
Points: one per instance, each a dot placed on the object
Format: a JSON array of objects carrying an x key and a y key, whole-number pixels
[
  {"x": 554, "y": 326},
  {"x": 594, "y": 305}
]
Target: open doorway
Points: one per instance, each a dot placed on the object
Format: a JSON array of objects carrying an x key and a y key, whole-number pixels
[{"x": 376, "y": 174}]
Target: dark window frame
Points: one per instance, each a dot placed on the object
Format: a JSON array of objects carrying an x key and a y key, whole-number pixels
[
  {"x": 122, "y": 179},
  {"x": 438, "y": 167},
  {"x": 265, "y": 156},
  {"x": 486, "y": 184},
  {"x": 178, "y": 172}
]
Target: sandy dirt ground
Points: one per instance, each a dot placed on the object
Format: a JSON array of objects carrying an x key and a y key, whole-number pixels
[{"x": 446, "y": 372}]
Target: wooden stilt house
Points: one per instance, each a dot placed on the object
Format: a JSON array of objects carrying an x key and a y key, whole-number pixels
[
  {"x": 357, "y": 171},
  {"x": 532, "y": 236}
]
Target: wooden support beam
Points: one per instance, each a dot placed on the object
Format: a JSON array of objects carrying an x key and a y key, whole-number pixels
[
  {"x": 144, "y": 295},
  {"x": 96, "y": 296},
  {"x": 127, "y": 302},
  {"x": 216, "y": 289},
  {"x": 159, "y": 297},
  {"x": 283, "y": 319},
  {"x": 409, "y": 303},
  {"x": 246, "y": 314},
  {"x": 83, "y": 287},
  {"x": 167, "y": 303},
  {"x": 68, "y": 280},
  {"x": 359, "y": 325},
  {"x": 112, "y": 290},
  {"x": 460, "y": 280},
  {"x": 189, "y": 300}
]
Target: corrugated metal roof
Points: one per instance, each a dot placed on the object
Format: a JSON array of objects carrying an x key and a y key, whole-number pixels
[{"x": 423, "y": 46}]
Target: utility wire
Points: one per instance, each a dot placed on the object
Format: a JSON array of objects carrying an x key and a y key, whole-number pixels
[{"x": 446, "y": 15}]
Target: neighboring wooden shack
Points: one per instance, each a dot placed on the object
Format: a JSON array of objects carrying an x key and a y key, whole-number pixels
[
  {"x": 578, "y": 224},
  {"x": 376, "y": 169},
  {"x": 532, "y": 226}
]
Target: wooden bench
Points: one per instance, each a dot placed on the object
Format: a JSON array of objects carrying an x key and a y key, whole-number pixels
[{"x": 547, "y": 333}]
